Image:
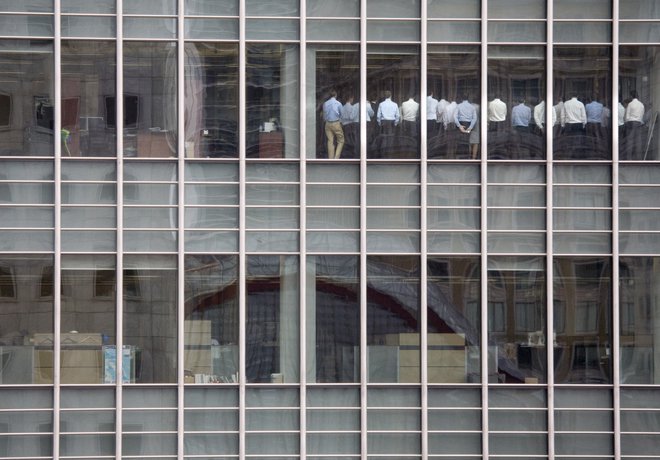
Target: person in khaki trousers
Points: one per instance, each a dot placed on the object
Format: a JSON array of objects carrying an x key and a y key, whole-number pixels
[{"x": 333, "y": 129}]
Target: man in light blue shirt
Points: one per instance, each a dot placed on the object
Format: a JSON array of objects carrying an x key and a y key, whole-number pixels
[
  {"x": 388, "y": 114},
  {"x": 350, "y": 117},
  {"x": 521, "y": 116},
  {"x": 596, "y": 130},
  {"x": 333, "y": 130},
  {"x": 465, "y": 116}
]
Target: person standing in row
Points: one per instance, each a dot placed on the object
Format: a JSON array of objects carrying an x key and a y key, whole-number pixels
[
  {"x": 333, "y": 129},
  {"x": 431, "y": 115}
]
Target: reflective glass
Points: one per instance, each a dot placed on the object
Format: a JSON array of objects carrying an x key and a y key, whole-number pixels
[
  {"x": 26, "y": 331},
  {"x": 510, "y": 9},
  {"x": 516, "y": 320},
  {"x": 582, "y": 89},
  {"x": 211, "y": 94},
  {"x": 150, "y": 115},
  {"x": 150, "y": 325},
  {"x": 212, "y": 7},
  {"x": 393, "y": 92},
  {"x": 211, "y": 320},
  {"x": 393, "y": 319},
  {"x": 333, "y": 95},
  {"x": 88, "y": 26},
  {"x": 639, "y": 315},
  {"x": 582, "y": 320},
  {"x": 453, "y": 8},
  {"x": 516, "y": 103},
  {"x": 453, "y": 81},
  {"x": 585, "y": 9},
  {"x": 453, "y": 320},
  {"x": 637, "y": 98},
  {"x": 26, "y": 98},
  {"x": 272, "y": 100},
  {"x": 333, "y": 319},
  {"x": 87, "y": 319},
  {"x": 273, "y": 326},
  {"x": 639, "y": 9}
]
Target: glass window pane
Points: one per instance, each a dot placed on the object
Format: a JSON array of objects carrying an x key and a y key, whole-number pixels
[
  {"x": 211, "y": 112},
  {"x": 80, "y": 26},
  {"x": 586, "y": 9},
  {"x": 454, "y": 31},
  {"x": 150, "y": 336},
  {"x": 393, "y": 89},
  {"x": 452, "y": 113},
  {"x": 87, "y": 318},
  {"x": 582, "y": 314},
  {"x": 212, "y": 7},
  {"x": 516, "y": 107},
  {"x": 272, "y": 101},
  {"x": 211, "y": 323},
  {"x": 637, "y": 69},
  {"x": 333, "y": 319},
  {"x": 26, "y": 296},
  {"x": 83, "y": 6},
  {"x": 333, "y": 109},
  {"x": 26, "y": 98},
  {"x": 639, "y": 9},
  {"x": 515, "y": 9},
  {"x": 272, "y": 342},
  {"x": 582, "y": 87},
  {"x": 392, "y": 319},
  {"x": 271, "y": 7},
  {"x": 150, "y": 121},
  {"x": 505, "y": 31},
  {"x": 453, "y": 8},
  {"x": 517, "y": 321},
  {"x": 639, "y": 312},
  {"x": 583, "y": 32},
  {"x": 453, "y": 320},
  {"x": 337, "y": 8}
]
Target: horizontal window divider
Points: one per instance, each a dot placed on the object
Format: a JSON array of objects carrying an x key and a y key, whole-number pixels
[
  {"x": 26, "y": 13},
  {"x": 521, "y": 43},
  {"x": 94, "y": 15},
  {"x": 583, "y": 432},
  {"x": 199, "y": 16},
  {"x": 149, "y": 16}
]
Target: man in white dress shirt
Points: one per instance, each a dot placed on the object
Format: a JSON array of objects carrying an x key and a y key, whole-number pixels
[
  {"x": 409, "y": 116},
  {"x": 573, "y": 122},
  {"x": 633, "y": 120},
  {"x": 431, "y": 115},
  {"x": 496, "y": 115}
]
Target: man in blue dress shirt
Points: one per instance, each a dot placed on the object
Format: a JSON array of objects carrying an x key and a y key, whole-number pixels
[
  {"x": 465, "y": 118},
  {"x": 521, "y": 115},
  {"x": 333, "y": 130},
  {"x": 595, "y": 129},
  {"x": 388, "y": 117}
]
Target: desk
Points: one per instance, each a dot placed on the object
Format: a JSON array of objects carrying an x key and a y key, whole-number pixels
[{"x": 271, "y": 145}]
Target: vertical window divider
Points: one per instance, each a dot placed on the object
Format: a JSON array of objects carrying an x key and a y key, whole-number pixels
[
  {"x": 364, "y": 369},
  {"x": 302, "y": 216},
  {"x": 549, "y": 189},
  {"x": 484, "y": 233},
  {"x": 119, "y": 297},
  {"x": 423, "y": 336},
  {"x": 242, "y": 288},
  {"x": 549, "y": 107},
  {"x": 57, "y": 256},
  {"x": 181, "y": 138},
  {"x": 616, "y": 307}
]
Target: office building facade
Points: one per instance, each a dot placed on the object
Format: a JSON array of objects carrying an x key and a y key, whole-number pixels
[{"x": 201, "y": 258}]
